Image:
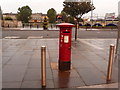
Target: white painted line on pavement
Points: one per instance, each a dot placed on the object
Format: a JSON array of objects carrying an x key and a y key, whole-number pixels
[
  {"x": 11, "y": 37},
  {"x": 92, "y": 45},
  {"x": 100, "y": 39}
]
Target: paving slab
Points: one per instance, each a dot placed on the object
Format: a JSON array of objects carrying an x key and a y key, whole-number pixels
[
  {"x": 31, "y": 84},
  {"x": 11, "y": 85},
  {"x": 8, "y": 53},
  {"x": 91, "y": 76},
  {"x": 67, "y": 82},
  {"x": 19, "y": 60},
  {"x": 32, "y": 75},
  {"x": 5, "y": 60},
  {"x": 13, "y": 73}
]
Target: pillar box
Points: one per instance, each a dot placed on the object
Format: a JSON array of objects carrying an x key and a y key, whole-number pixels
[{"x": 65, "y": 46}]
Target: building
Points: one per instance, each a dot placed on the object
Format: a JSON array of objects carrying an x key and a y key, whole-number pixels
[
  {"x": 119, "y": 8},
  {"x": 11, "y": 15},
  {"x": 36, "y": 18},
  {"x": 0, "y": 17},
  {"x": 110, "y": 16},
  {"x": 10, "y": 23},
  {"x": 0, "y": 13}
]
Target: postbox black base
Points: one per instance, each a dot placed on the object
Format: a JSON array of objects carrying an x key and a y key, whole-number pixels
[{"x": 64, "y": 66}]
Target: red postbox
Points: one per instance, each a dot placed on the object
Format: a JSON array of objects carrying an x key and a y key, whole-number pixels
[{"x": 65, "y": 46}]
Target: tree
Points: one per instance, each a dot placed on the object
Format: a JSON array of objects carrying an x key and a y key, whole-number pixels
[
  {"x": 67, "y": 18},
  {"x": 77, "y": 9},
  {"x": 51, "y": 13},
  {"x": 24, "y": 14},
  {"x": 64, "y": 16},
  {"x": 1, "y": 16},
  {"x": 71, "y": 20}
]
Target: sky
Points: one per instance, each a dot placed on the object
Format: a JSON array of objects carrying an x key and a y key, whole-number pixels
[{"x": 38, "y": 6}]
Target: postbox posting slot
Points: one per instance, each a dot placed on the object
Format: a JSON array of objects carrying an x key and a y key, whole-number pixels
[{"x": 66, "y": 32}]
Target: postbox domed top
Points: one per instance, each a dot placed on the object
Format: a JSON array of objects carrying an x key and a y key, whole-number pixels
[{"x": 65, "y": 25}]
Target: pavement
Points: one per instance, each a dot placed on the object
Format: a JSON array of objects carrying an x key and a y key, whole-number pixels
[{"x": 22, "y": 63}]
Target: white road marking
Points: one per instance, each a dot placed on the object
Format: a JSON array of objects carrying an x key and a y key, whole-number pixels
[
  {"x": 11, "y": 37},
  {"x": 98, "y": 32},
  {"x": 35, "y": 37},
  {"x": 111, "y": 32}
]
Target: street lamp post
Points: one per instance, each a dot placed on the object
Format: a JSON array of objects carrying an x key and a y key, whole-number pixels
[
  {"x": 91, "y": 15},
  {"x": 117, "y": 42},
  {"x": 76, "y": 28}
]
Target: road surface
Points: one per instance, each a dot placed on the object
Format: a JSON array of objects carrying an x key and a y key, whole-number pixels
[{"x": 24, "y": 34}]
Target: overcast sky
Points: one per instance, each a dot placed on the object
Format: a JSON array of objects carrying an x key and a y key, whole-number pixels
[{"x": 37, "y": 6}]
